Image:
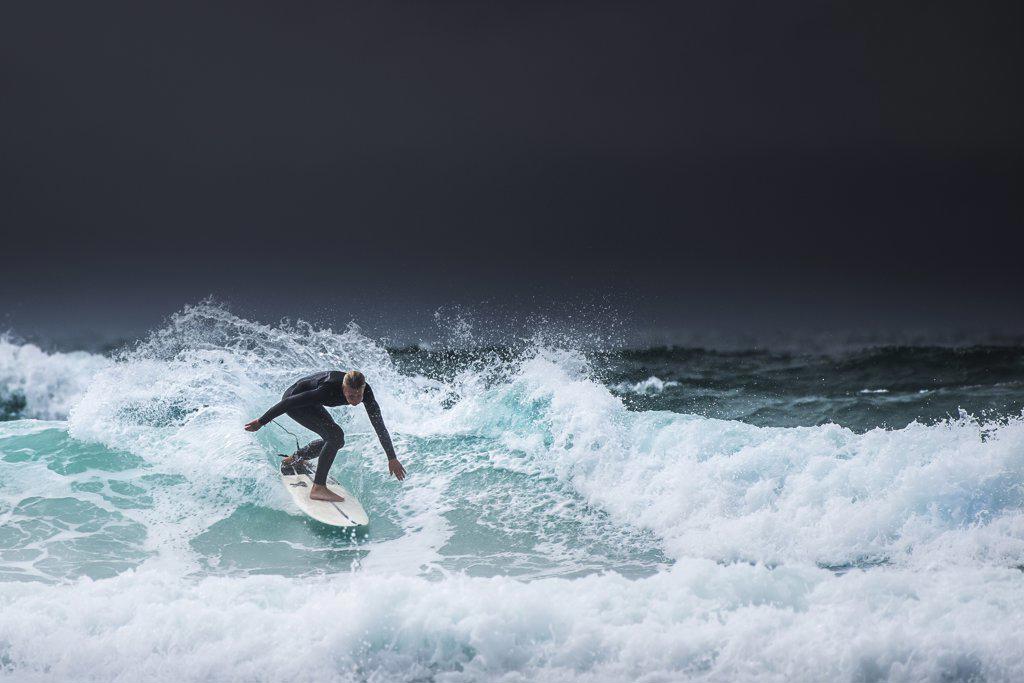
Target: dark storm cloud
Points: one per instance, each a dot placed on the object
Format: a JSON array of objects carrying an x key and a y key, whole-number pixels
[{"x": 750, "y": 160}]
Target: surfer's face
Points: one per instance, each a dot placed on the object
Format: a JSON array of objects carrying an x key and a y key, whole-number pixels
[{"x": 353, "y": 396}]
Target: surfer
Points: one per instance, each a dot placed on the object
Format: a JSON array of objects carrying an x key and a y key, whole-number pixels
[{"x": 304, "y": 402}]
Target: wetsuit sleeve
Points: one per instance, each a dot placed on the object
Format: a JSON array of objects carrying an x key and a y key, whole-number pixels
[
  {"x": 377, "y": 420},
  {"x": 314, "y": 397}
]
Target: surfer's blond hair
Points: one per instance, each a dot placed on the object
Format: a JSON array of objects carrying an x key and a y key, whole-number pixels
[{"x": 355, "y": 379}]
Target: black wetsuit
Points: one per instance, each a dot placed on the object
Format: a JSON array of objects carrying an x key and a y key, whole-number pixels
[{"x": 304, "y": 402}]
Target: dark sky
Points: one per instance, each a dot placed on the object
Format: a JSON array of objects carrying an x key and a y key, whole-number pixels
[{"x": 680, "y": 165}]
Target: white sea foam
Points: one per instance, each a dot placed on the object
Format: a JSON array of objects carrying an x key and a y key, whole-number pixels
[
  {"x": 770, "y": 530},
  {"x": 733, "y": 491},
  {"x": 50, "y": 382},
  {"x": 651, "y": 385},
  {"x": 698, "y": 620}
]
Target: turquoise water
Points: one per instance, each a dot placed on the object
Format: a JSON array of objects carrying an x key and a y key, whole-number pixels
[
  {"x": 567, "y": 516},
  {"x": 508, "y": 523}
]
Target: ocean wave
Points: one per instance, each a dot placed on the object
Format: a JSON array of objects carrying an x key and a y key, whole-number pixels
[
  {"x": 647, "y": 543},
  {"x": 711, "y": 488},
  {"x": 731, "y": 491}
]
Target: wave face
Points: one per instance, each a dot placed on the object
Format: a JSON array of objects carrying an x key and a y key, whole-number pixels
[{"x": 563, "y": 520}]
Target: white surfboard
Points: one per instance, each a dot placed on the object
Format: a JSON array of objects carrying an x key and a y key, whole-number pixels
[{"x": 298, "y": 479}]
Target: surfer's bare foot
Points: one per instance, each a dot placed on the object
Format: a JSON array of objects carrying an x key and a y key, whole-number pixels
[
  {"x": 321, "y": 492},
  {"x": 289, "y": 460}
]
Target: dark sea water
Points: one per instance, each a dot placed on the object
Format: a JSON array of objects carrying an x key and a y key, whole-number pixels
[
  {"x": 573, "y": 512},
  {"x": 865, "y": 388},
  {"x": 878, "y": 387}
]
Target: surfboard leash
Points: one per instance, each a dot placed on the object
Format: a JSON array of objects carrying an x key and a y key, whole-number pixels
[{"x": 297, "y": 446}]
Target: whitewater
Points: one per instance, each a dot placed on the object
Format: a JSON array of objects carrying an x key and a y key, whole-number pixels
[{"x": 552, "y": 528}]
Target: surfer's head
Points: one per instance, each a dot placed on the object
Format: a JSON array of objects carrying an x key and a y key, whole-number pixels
[{"x": 353, "y": 386}]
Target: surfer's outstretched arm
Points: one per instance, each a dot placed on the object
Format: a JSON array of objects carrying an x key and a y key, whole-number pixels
[
  {"x": 377, "y": 420},
  {"x": 306, "y": 398}
]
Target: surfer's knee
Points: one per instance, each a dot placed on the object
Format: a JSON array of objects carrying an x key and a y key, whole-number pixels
[{"x": 335, "y": 437}]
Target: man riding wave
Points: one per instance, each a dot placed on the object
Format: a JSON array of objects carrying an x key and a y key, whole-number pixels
[{"x": 304, "y": 402}]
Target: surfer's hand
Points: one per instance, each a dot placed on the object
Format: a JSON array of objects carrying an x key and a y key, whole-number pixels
[
  {"x": 395, "y": 468},
  {"x": 253, "y": 426}
]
